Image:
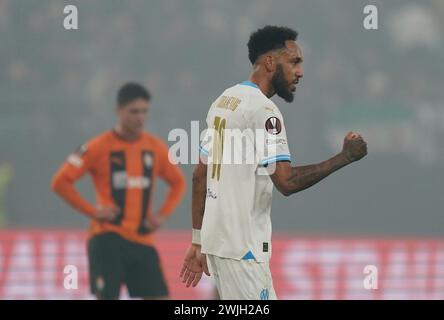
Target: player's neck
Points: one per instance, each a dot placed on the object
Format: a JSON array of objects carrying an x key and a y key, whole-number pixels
[
  {"x": 125, "y": 134},
  {"x": 262, "y": 82}
]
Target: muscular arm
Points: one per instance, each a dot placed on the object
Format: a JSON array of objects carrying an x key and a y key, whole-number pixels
[
  {"x": 289, "y": 180},
  {"x": 195, "y": 262},
  {"x": 199, "y": 194}
]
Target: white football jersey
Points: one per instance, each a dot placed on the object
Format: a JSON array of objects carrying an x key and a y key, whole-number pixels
[{"x": 245, "y": 134}]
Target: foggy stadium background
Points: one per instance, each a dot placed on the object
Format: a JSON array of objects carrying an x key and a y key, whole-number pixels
[{"x": 58, "y": 89}]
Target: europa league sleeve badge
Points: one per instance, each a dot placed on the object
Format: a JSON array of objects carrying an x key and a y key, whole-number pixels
[{"x": 273, "y": 125}]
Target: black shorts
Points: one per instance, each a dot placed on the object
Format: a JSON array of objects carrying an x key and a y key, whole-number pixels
[{"x": 114, "y": 261}]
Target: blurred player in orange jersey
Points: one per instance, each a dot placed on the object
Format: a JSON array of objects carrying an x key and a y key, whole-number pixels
[{"x": 124, "y": 164}]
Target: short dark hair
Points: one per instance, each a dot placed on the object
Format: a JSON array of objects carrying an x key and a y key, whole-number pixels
[
  {"x": 267, "y": 39},
  {"x": 130, "y": 92}
]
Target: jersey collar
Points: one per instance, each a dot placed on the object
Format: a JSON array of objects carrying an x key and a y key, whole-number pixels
[{"x": 249, "y": 83}]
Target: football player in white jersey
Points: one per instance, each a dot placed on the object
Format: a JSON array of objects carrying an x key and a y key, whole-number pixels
[{"x": 233, "y": 183}]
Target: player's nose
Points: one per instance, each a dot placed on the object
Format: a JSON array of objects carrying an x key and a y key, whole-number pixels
[{"x": 300, "y": 73}]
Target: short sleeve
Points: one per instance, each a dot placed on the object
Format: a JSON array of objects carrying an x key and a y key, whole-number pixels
[
  {"x": 270, "y": 140},
  {"x": 206, "y": 140},
  {"x": 204, "y": 145}
]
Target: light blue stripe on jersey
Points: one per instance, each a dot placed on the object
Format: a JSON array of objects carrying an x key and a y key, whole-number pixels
[
  {"x": 203, "y": 151},
  {"x": 249, "y": 83},
  {"x": 249, "y": 256},
  {"x": 265, "y": 294},
  {"x": 281, "y": 157}
]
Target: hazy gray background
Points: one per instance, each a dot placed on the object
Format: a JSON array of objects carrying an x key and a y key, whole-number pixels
[{"x": 58, "y": 87}]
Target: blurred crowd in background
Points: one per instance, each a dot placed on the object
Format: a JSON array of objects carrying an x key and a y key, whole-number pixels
[{"x": 58, "y": 87}]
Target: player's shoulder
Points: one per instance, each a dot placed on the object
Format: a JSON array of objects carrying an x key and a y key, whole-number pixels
[
  {"x": 246, "y": 90},
  {"x": 89, "y": 149},
  {"x": 241, "y": 91},
  {"x": 260, "y": 105},
  {"x": 97, "y": 142},
  {"x": 252, "y": 101},
  {"x": 246, "y": 93}
]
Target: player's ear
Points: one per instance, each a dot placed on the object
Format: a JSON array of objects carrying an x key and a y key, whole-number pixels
[{"x": 270, "y": 63}]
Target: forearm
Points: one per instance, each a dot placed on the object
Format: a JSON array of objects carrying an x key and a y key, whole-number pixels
[
  {"x": 66, "y": 190},
  {"x": 198, "y": 200},
  {"x": 303, "y": 177},
  {"x": 175, "y": 195}
]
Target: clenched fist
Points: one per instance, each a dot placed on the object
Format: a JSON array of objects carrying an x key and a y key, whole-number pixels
[{"x": 354, "y": 147}]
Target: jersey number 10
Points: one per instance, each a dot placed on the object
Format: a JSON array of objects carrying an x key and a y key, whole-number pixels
[{"x": 218, "y": 146}]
